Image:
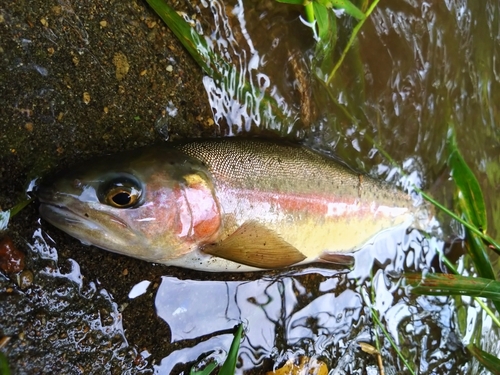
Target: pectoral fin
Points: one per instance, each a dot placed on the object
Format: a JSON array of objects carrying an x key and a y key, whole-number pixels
[{"x": 254, "y": 245}]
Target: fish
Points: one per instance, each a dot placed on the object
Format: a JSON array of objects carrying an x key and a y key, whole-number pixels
[{"x": 227, "y": 204}]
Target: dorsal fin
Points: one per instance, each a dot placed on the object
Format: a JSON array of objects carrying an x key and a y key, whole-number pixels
[{"x": 255, "y": 245}]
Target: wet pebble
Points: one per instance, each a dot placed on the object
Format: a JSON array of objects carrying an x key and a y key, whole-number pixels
[
  {"x": 121, "y": 64},
  {"x": 25, "y": 279},
  {"x": 11, "y": 259}
]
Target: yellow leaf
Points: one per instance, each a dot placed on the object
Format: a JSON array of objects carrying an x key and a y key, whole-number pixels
[{"x": 305, "y": 366}]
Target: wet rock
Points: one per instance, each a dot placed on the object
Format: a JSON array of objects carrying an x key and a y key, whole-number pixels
[
  {"x": 25, "y": 279},
  {"x": 11, "y": 259}
]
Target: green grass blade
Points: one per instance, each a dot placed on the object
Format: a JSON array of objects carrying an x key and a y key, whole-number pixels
[
  {"x": 374, "y": 315},
  {"x": 471, "y": 203},
  {"x": 4, "y": 365},
  {"x": 391, "y": 341},
  {"x": 495, "y": 246},
  {"x": 354, "y": 34},
  {"x": 445, "y": 284},
  {"x": 346, "y": 6},
  {"x": 452, "y": 268},
  {"x": 372, "y": 301},
  {"x": 294, "y": 2},
  {"x": 222, "y": 71},
  {"x": 489, "y": 361},
  {"x": 5, "y": 216},
  {"x": 323, "y": 22},
  {"x": 229, "y": 364},
  {"x": 232, "y": 356},
  {"x": 183, "y": 32},
  {"x": 327, "y": 33},
  {"x": 470, "y": 196},
  {"x": 206, "y": 371},
  {"x": 473, "y": 229},
  {"x": 18, "y": 207},
  {"x": 479, "y": 255},
  {"x": 310, "y": 16}
]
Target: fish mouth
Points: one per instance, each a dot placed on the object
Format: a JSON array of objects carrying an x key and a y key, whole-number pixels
[
  {"x": 60, "y": 215},
  {"x": 64, "y": 210},
  {"x": 71, "y": 220}
]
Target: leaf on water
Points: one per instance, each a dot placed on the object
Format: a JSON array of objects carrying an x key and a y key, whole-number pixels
[
  {"x": 470, "y": 195},
  {"x": 230, "y": 363},
  {"x": 305, "y": 366},
  {"x": 368, "y": 348},
  {"x": 489, "y": 361},
  {"x": 446, "y": 284},
  {"x": 11, "y": 258}
]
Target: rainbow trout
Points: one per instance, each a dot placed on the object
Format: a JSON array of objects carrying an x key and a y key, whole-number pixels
[{"x": 223, "y": 205}]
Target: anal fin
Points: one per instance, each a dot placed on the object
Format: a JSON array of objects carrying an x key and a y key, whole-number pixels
[
  {"x": 255, "y": 245},
  {"x": 338, "y": 259}
]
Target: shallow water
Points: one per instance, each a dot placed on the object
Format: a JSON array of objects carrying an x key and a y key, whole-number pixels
[
  {"x": 422, "y": 65},
  {"x": 317, "y": 313}
]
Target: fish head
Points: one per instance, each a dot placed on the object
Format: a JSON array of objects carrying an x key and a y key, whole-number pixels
[{"x": 153, "y": 203}]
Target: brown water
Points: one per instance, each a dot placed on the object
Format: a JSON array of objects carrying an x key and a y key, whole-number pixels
[{"x": 416, "y": 67}]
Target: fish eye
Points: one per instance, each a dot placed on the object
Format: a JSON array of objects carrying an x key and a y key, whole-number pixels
[
  {"x": 122, "y": 197},
  {"x": 121, "y": 192}
]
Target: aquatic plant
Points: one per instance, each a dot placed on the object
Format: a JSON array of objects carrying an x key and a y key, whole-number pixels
[
  {"x": 229, "y": 365},
  {"x": 472, "y": 209},
  {"x": 4, "y": 365}
]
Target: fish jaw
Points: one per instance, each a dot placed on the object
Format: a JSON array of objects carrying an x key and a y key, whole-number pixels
[
  {"x": 135, "y": 232},
  {"x": 69, "y": 218}
]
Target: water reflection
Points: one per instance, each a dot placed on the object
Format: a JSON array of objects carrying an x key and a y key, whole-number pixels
[
  {"x": 246, "y": 98},
  {"x": 315, "y": 312},
  {"x": 64, "y": 317}
]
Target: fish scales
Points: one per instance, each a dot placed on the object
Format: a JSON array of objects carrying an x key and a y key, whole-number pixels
[{"x": 287, "y": 168}]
